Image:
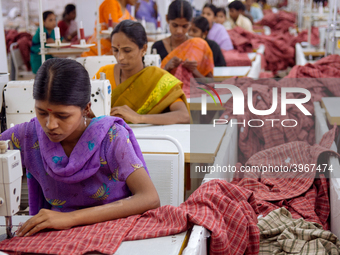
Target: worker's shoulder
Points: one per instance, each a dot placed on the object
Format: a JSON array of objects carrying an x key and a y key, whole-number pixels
[{"x": 106, "y": 68}]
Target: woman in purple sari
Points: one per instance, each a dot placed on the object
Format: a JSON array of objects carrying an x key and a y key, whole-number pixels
[
  {"x": 217, "y": 32},
  {"x": 80, "y": 171}
]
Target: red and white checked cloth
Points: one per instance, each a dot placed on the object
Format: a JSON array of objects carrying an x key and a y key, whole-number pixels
[
  {"x": 298, "y": 191},
  {"x": 235, "y": 58},
  {"x": 278, "y": 21},
  {"x": 227, "y": 210},
  {"x": 254, "y": 139},
  {"x": 279, "y": 45},
  {"x": 184, "y": 75},
  {"x": 326, "y": 67}
]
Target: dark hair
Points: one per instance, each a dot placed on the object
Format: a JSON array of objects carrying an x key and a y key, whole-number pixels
[
  {"x": 46, "y": 14},
  {"x": 202, "y": 23},
  {"x": 62, "y": 81},
  {"x": 221, "y": 9},
  {"x": 211, "y": 7},
  {"x": 69, "y": 8},
  {"x": 237, "y": 5},
  {"x": 180, "y": 9},
  {"x": 133, "y": 30}
]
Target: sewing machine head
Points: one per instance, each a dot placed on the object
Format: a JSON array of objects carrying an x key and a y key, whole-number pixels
[
  {"x": 152, "y": 60},
  {"x": 10, "y": 184}
]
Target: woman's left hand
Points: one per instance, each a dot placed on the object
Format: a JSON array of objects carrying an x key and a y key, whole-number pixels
[
  {"x": 190, "y": 65},
  {"x": 45, "y": 219},
  {"x": 126, "y": 113}
]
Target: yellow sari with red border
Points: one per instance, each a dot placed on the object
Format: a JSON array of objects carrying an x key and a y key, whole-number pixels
[
  {"x": 194, "y": 49},
  {"x": 150, "y": 91}
]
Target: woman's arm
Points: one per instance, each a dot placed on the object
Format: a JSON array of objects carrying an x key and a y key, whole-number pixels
[
  {"x": 197, "y": 74},
  {"x": 144, "y": 198},
  {"x": 192, "y": 67},
  {"x": 178, "y": 115}
]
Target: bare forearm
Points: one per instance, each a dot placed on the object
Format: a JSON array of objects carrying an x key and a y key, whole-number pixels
[
  {"x": 168, "y": 118},
  {"x": 197, "y": 74},
  {"x": 136, "y": 204}
]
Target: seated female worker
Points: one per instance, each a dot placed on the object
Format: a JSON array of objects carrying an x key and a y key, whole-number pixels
[
  {"x": 80, "y": 171},
  {"x": 117, "y": 10},
  {"x": 142, "y": 94},
  {"x": 193, "y": 53},
  {"x": 200, "y": 28},
  {"x": 217, "y": 32}
]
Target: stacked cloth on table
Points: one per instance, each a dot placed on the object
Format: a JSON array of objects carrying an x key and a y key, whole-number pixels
[
  {"x": 294, "y": 186},
  {"x": 228, "y": 211},
  {"x": 254, "y": 139},
  {"x": 279, "y": 46},
  {"x": 281, "y": 234},
  {"x": 324, "y": 68},
  {"x": 24, "y": 41},
  {"x": 278, "y": 21},
  {"x": 235, "y": 58}
]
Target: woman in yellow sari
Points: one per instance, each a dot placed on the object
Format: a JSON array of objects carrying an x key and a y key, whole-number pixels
[
  {"x": 142, "y": 95},
  {"x": 193, "y": 54},
  {"x": 117, "y": 10}
]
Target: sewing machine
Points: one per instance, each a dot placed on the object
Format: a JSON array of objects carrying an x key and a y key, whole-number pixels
[
  {"x": 22, "y": 91},
  {"x": 152, "y": 60},
  {"x": 10, "y": 184}
]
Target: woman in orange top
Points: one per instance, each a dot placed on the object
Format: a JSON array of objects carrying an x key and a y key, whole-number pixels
[
  {"x": 142, "y": 94},
  {"x": 193, "y": 54},
  {"x": 117, "y": 10}
]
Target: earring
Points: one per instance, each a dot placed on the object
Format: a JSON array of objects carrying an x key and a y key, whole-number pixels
[
  {"x": 144, "y": 53},
  {"x": 85, "y": 121}
]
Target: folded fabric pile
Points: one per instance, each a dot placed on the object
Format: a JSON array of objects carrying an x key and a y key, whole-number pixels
[
  {"x": 235, "y": 58},
  {"x": 278, "y": 21},
  {"x": 254, "y": 139},
  {"x": 24, "y": 41},
  {"x": 281, "y": 234},
  {"x": 294, "y": 187},
  {"x": 324, "y": 68},
  {"x": 228, "y": 211},
  {"x": 279, "y": 46}
]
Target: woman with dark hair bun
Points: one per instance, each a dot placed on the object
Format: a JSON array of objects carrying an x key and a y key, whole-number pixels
[
  {"x": 193, "y": 54},
  {"x": 68, "y": 26},
  {"x": 142, "y": 94},
  {"x": 80, "y": 171}
]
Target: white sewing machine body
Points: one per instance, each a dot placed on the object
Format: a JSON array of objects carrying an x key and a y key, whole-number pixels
[
  {"x": 18, "y": 96},
  {"x": 152, "y": 60},
  {"x": 10, "y": 182}
]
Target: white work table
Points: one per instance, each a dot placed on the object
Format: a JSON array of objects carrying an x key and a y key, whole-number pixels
[
  {"x": 231, "y": 71},
  {"x": 170, "y": 245},
  {"x": 65, "y": 51},
  {"x": 202, "y": 149}
]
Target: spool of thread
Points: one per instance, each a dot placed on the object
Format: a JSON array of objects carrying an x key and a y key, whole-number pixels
[
  {"x": 158, "y": 21},
  {"x": 81, "y": 32},
  {"x": 57, "y": 33},
  {"x": 110, "y": 20}
]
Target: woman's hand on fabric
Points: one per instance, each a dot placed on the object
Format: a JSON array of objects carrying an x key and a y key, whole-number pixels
[
  {"x": 173, "y": 63},
  {"x": 190, "y": 65},
  {"x": 46, "y": 219},
  {"x": 126, "y": 113}
]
